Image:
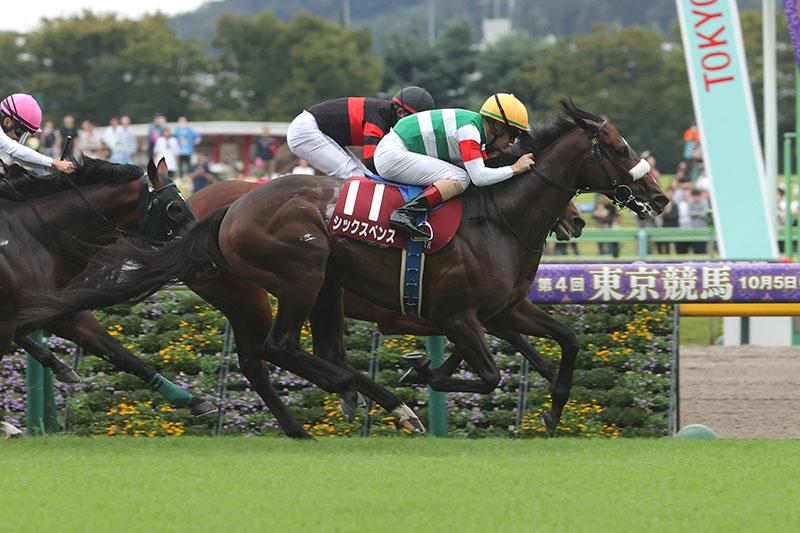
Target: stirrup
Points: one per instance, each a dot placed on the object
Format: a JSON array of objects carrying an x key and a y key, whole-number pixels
[{"x": 424, "y": 224}]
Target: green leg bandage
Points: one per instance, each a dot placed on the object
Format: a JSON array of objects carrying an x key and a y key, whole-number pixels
[{"x": 170, "y": 391}]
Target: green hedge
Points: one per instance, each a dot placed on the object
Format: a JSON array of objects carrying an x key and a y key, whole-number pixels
[{"x": 621, "y": 383}]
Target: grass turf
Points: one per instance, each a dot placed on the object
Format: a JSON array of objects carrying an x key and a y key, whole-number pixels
[{"x": 60, "y": 483}]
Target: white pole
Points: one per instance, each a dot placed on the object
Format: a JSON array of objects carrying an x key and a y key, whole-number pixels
[{"x": 770, "y": 106}]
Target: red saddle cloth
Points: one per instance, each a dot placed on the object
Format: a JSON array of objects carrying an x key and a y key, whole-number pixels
[{"x": 363, "y": 208}]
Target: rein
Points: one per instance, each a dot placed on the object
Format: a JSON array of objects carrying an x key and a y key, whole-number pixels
[
  {"x": 620, "y": 193},
  {"x": 511, "y": 228},
  {"x": 143, "y": 209}
]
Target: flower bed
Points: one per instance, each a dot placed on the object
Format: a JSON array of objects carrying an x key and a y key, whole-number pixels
[{"x": 621, "y": 382}]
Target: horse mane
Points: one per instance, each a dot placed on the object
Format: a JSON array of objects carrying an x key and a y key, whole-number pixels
[
  {"x": 19, "y": 182},
  {"x": 567, "y": 117}
]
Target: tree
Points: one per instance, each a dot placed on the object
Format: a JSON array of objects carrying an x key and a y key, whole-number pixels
[
  {"x": 271, "y": 69},
  {"x": 627, "y": 74},
  {"x": 94, "y": 67},
  {"x": 443, "y": 69}
]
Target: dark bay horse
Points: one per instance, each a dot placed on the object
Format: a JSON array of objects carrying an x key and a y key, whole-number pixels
[
  {"x": 277, "y": 238},
  {"x": 52, "y": 225},
  {"x": 569, "y": 225}
]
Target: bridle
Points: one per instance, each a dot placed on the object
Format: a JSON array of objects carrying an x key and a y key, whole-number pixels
[
  {"x": 148, "y": 203},
  {"x": 621, "y": 194}
]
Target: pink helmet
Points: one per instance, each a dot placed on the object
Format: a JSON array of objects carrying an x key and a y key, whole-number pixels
[{"x": 24, "y": 109}]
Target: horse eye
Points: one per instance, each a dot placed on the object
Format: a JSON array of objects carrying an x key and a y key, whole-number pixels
[{"x": 622, "y": 151}]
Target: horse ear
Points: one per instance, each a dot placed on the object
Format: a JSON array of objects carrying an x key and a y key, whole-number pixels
[
  {"x": 153, "y": 175},
  {"x": 162, "y": 167}
]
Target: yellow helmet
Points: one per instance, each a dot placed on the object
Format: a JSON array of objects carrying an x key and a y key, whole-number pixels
[{"x": 506, "y": 108}]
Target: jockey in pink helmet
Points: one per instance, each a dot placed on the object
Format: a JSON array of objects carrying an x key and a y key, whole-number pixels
[{"x": 20, "y": 115}]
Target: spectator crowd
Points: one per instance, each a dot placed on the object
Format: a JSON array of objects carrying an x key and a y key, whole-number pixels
[{"x": 180, "y": 147}]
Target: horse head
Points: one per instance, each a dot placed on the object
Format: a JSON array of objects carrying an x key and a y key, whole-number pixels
[
  {"x": 163, "y": 210},
  {"x": 613, "y": 167},
  {"x": 570, "y": 224}
]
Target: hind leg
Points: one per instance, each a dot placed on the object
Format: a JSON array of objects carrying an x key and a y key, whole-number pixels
[
  {"x": 466, "y": 333},
  {"x": 247, "y": 308},
  {"x": 327, "y": 326},
  {"x": 83, "y": 329},
  {"x": 265, "y": 249},
  {"x": 47, "y": 359}
]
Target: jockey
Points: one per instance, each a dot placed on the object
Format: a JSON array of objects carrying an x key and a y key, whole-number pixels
[
  {"x": 321, "y": 133},
  {"x": 444, "y": 149},
  {"x": 20, "y": 115}
]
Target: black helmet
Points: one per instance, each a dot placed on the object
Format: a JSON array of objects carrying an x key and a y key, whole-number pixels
[{"x": 414, "y": 99}]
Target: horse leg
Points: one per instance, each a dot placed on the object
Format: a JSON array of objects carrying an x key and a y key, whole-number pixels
[
  {"x": 540, "y": 363},
  {"x": 247, "y": 308},
  {"x": 7, "y": 329},
  {"x": 466, "y": 333},
  {"x": 528, "y": 319},
  {"x": 83, "y": 329},
  {"x": 327, "y": 326},
  {"x": 47, "y": 359}
]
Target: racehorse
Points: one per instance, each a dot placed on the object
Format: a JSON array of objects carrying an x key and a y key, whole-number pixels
[
  {"x": 569, "y": 225},
  {"x": 277, "y": 238},
  {"x": 53, "y": 224}
]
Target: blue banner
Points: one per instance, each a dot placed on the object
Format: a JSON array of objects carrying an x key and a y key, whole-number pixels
[
  {"x": 723, "y": 104},
  {"x": 667, "y": 283}
]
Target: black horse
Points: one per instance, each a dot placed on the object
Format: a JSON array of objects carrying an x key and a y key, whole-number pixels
[{"x": 50, "y": 226}]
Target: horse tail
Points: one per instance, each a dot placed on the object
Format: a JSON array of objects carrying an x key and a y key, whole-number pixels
[{"x": 132, "y": 269}]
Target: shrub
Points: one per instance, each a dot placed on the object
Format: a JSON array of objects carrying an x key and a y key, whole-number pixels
[{"x": 621, "y": 383}]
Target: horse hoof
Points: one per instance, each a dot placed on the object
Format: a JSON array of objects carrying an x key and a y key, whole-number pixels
[
  {"x": 551, "y": 422},
  {"x": 10, "y": 431},
  {"x": 416, "y": 359},
  {"x": 202, "y": 407},
  {"x": 361, "y": 401},
  {"x": 348, "y": 405},
  {"x": 409, "y": 377},
  {"x": 411, "y": 426},
  {"x": 68, "y": 376}
]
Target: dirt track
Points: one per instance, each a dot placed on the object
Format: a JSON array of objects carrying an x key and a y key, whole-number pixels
[{"x": 742, "y": 392}]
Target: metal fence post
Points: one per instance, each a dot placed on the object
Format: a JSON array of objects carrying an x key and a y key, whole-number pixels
[
  {"x": 437, "y": 401},
  {"x": 366, "y": 428},
  {"x": 41, "y": 404},
  {"x": 522, "y": 398},
  {"x": 674, "y": 414},
  {"x": 227, "y": 350}
]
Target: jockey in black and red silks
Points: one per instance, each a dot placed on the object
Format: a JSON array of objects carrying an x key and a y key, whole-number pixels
[{"x": 322, "y": 133}]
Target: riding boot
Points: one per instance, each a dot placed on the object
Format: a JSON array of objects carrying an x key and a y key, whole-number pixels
[{"x": 405, "y": 218}]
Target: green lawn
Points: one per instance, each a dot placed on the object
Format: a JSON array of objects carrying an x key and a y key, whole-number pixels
[{"x": 398, "y": 484}]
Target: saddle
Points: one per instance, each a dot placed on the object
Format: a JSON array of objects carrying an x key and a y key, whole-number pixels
[{"x": 364, "y": 205}]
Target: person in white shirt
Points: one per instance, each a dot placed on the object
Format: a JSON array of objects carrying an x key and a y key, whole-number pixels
[
  {"x": 302, "y": 167},
  {"x": 167, "y": 147}
]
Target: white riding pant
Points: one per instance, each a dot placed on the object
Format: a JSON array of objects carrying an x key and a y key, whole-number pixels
[
  {"x": 395, "y": 162},
  {"x": 306, "y": 141}
]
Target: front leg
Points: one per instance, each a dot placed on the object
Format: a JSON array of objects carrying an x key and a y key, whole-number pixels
[{"x": 528, "y": 319}]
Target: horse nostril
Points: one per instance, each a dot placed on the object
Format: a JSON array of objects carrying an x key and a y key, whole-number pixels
[
  {"x": 660, "y": 202},
  {"x": 579, "y": 222}
]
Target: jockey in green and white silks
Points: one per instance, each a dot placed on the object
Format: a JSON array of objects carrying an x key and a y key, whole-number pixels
[{"x": 445, "y": 149}]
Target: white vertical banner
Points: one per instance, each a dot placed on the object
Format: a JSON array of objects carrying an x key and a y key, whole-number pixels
[{"x": 723, "y": 105}]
